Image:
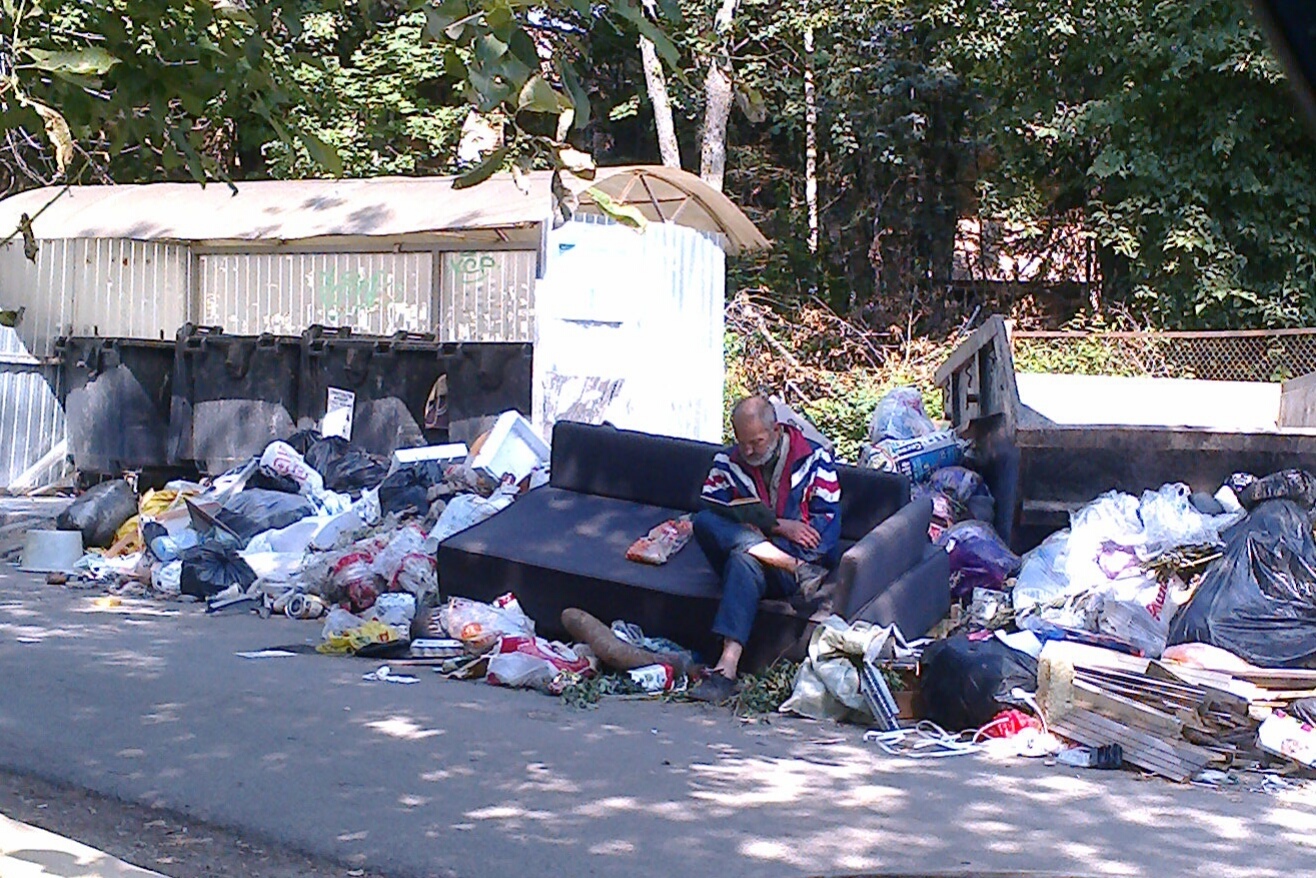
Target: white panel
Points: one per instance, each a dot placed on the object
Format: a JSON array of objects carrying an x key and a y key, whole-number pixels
[
  {"x": 283, "y": 293},
  {"x": 487, "y": 296},
  {"x": 126, "y": 289},
  {"x": 644, "y": 308}
]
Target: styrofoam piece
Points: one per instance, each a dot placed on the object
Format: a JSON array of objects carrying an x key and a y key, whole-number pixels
[
  {"x": 512, "y": 449},
  {"x": 51, "y": 551},
  {"x": 453, "y": 452}
]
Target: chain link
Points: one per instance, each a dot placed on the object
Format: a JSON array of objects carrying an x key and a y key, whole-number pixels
[{"x": 1213, "y": 356}]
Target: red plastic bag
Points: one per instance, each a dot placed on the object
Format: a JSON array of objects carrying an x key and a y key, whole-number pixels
[
  {"x": 532, "y": 662},
  {"x": 662, "y": 542}
]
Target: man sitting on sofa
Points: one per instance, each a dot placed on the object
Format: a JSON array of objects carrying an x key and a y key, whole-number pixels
[{"x": 794, "y": 544}]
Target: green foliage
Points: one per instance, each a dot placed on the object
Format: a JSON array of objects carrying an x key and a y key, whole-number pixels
[
  {"x": 766, "y": 691},
  {"x": 1169, "y": 127},
  {"x": 137, "y": 88},
  {"x": 390, "y": 108}
]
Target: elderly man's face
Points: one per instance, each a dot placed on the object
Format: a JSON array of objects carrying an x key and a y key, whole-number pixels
[{"x": 756, "y": 439}]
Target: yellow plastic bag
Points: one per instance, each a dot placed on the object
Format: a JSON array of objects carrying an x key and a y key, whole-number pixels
[{"x": 352, "y": 640}]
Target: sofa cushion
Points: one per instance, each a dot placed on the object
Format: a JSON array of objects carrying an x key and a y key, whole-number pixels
[
  {"x": 868, "y": 498},
  {"x": 623, "y": 464},
  {"x": 669, "y": 473}
]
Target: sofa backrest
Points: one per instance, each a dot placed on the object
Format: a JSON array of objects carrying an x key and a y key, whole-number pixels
[{"x": 668, "y": 472}]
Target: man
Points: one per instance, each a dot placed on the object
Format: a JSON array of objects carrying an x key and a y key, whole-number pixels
[{"x": 795, "y": 478}]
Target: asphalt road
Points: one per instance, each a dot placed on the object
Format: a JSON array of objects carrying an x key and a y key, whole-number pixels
[{"x": 148, "y": 703}]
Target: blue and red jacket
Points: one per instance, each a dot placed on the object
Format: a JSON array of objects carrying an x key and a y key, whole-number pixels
[{"x": 809, "y": 491}]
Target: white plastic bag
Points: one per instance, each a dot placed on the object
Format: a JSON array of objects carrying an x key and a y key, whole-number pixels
[
  {"x": 168, "y": 578},
  {"x": 467, "y": 510},
  {"x": 899, "y": 415},
  {"x": 532, "y": 662},
  {"x": 479, "y": 626},
  {"x": 396, "y": 610},
  {"x": 339, "y": 621},
  {"x": 282, "y": 459},
  {"x": 404, "y": 563},
  {"x": 1042, "y": 578}
]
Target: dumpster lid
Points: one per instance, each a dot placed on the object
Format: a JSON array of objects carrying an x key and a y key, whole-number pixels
[{"x": 279, "y": 211}]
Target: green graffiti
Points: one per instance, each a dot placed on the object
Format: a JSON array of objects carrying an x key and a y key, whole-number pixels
[
  {"x": 350, "y": 291},
  {"x": 472, "y": 268}
]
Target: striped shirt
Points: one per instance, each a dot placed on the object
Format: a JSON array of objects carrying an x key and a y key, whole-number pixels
[{"x": 808, "y": 491}]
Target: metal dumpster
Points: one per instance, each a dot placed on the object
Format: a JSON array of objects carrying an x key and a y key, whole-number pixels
[
  {"x": 1047, "y": 444},
  {"x": 411, "y": 389},
  {"x": 116, "y": 396},
  {"x": 232, "y": 396}
]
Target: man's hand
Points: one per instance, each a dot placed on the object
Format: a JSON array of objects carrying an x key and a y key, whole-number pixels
[{"x": 798, "y": 533}]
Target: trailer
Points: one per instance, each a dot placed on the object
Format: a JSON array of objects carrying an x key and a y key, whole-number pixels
[{"x": 1047, "y": 444}]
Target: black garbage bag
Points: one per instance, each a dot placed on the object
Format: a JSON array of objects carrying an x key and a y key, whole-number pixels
[
  {"x": 346, "y": 470},
  {"x": 100, "y": 512},
  {"x": 966, "y": 682},
  {"x": 409, "y": 487},
  {"x": 256, "y": 510},
  {"x": 212, "y": 567},
  {"x": 268, "y": 480},
  {"x": 1290, "y": 484},
  {"x": 1259, "y": 600}
]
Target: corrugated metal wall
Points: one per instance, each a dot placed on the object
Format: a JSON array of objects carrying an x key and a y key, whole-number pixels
[
  {"x": 488, "y": 296},
  {"x": 283, "y": 293}
]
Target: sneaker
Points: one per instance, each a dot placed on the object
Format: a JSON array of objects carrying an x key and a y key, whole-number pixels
[{"x": 713, "y": 689}]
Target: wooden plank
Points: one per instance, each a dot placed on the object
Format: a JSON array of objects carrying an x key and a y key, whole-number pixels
[
  {"x": 1080, "y": 655},
  {"x": 1278, "y": 678},
  {"x": 1127, "y": 711},
  {"x": 1178, "y": 762}
]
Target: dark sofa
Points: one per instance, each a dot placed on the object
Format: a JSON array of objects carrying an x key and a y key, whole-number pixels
[{"x": 564, "y": 545}]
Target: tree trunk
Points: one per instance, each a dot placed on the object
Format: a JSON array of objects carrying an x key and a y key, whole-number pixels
[
  {"x": 662, "y": 106},
  {"x": 717, "y": 102},
  {"x": 810, "y": 141}
]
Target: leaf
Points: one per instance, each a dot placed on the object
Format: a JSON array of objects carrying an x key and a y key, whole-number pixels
[
  {"x": 625, "y": 110},
  {"x": 579, "y": 97},
  {"x": 57, "y": 129},
  {"x": 626, "y": 214},
  {"x": 322, "y": 153},
  {"x": 579, "y": 163},
  {"x": 445, "y": 21},
  {"x": 483, "y": 171},
  {"x": 751, "y": 103},
  {"x": 564, "y": 124},
  {"x": 488, "y": 48},
  {"x": 92, "y": 61},
  {"x": 453, "y": 65},
  {"x": 194, "y": 164},
  {"x": 539, "y": 97}
]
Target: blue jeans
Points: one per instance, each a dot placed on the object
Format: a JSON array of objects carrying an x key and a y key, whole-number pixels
[{"x": 745, "y": 579}]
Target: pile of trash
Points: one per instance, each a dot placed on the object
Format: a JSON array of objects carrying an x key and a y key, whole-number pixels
[{"x": 312, "y": 527}]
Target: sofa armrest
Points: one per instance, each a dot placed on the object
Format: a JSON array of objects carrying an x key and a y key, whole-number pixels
[{"x": 889, "y": 550}]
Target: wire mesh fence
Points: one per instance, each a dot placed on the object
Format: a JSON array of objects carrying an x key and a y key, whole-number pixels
[{"x": 1251, "y": 355}]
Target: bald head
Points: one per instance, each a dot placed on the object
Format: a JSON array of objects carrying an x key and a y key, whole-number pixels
[{"x": 754, "y": 421}]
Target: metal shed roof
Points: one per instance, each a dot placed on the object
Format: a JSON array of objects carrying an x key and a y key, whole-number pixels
[{"x": 301, "y": 210}]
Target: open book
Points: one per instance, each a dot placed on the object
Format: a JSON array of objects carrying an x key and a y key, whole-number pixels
[{"x": 745, "y": 510}]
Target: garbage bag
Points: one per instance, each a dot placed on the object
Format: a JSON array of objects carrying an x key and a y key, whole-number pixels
[
  {"x": 966, "y": 490},
  {"x": 256, "y": 510},
  {"x": 212, "y": 567},
  {"x": 1259, "y": 600},
  {"x": 1042, "y": 579},
  {"x": 1290, "y": 484},
  {"x": 899, "y": 415},
  {"x": 966, "y": 683},
  {"x": 978, "y": 557},
  {"x": 268, "y": 480},
  {"x": 99, "y": 513},
  {"x": 409, "y": 487},
  {"x": 346, "y": 470}
]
